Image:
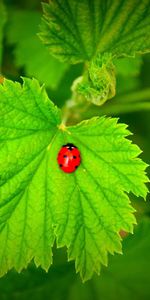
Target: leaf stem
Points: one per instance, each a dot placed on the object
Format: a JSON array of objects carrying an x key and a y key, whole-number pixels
[
  {"x": 120, "y": 108},
  {"x": 132, "y": 102},
  {"x": 142, "y": 95},
  {"x": 127, "y": 103}
]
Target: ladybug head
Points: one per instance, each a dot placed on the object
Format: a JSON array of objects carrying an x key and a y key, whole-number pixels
[{"x": 70, "y": 146}]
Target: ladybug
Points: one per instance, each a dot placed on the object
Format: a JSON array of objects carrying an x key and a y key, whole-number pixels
[{"x": 69, "y": 158}]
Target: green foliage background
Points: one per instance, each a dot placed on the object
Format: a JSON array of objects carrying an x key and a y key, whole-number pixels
[{"x": 128, "y": 276}]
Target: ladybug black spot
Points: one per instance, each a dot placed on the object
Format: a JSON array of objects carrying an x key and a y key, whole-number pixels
[
  {"x": 74, "y": 157},
  {"x": 65, "y": 156},
  {"x": 60, "y": 165}
]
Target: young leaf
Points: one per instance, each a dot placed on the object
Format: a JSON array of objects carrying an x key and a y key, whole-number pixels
[
  {"x": 98, "y": 84},
  {"x": 2, "y": 22},
  {"x": 29, "y": 52},
  {"x": 84, "y": 210},
  {"x": 76, "y": 30}
]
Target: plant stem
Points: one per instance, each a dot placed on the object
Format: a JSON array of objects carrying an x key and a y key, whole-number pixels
[
  {"x": 120, "y": 108},
  {"x": 131, "y": 102},
  {"x": 116, "y": 109},
  {"x": 142, "y": 95}
]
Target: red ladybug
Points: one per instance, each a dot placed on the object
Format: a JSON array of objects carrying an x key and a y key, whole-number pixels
[{"x": 69, "y": 158}]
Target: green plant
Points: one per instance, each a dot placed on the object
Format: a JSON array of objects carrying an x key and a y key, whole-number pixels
[{"x": 86, "y": 210}]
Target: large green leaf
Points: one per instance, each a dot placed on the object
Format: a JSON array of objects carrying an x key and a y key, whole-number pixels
[
  {"x": 76, "y": 30},
  {"x": 127, "y": 277},
  {"x": 84, "y": 210},
  {"x": 29, "y": 52},
  {"x": 96, "y": 32}
]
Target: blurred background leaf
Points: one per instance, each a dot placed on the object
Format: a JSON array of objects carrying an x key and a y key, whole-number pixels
[
  {"x": 2, "y": 23},
  {"x": 30, "y": 54}
]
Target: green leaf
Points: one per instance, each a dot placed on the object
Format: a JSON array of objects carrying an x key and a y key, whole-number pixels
[
  {"x": 2, "y": 23},
  {"x": 84, "y": 210},
  {"x": 29, "y": 52},
  {"x": 96, "y": 32},
  {"x": 127, "y": 277},
  {"x": 75, "y": 31}
]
